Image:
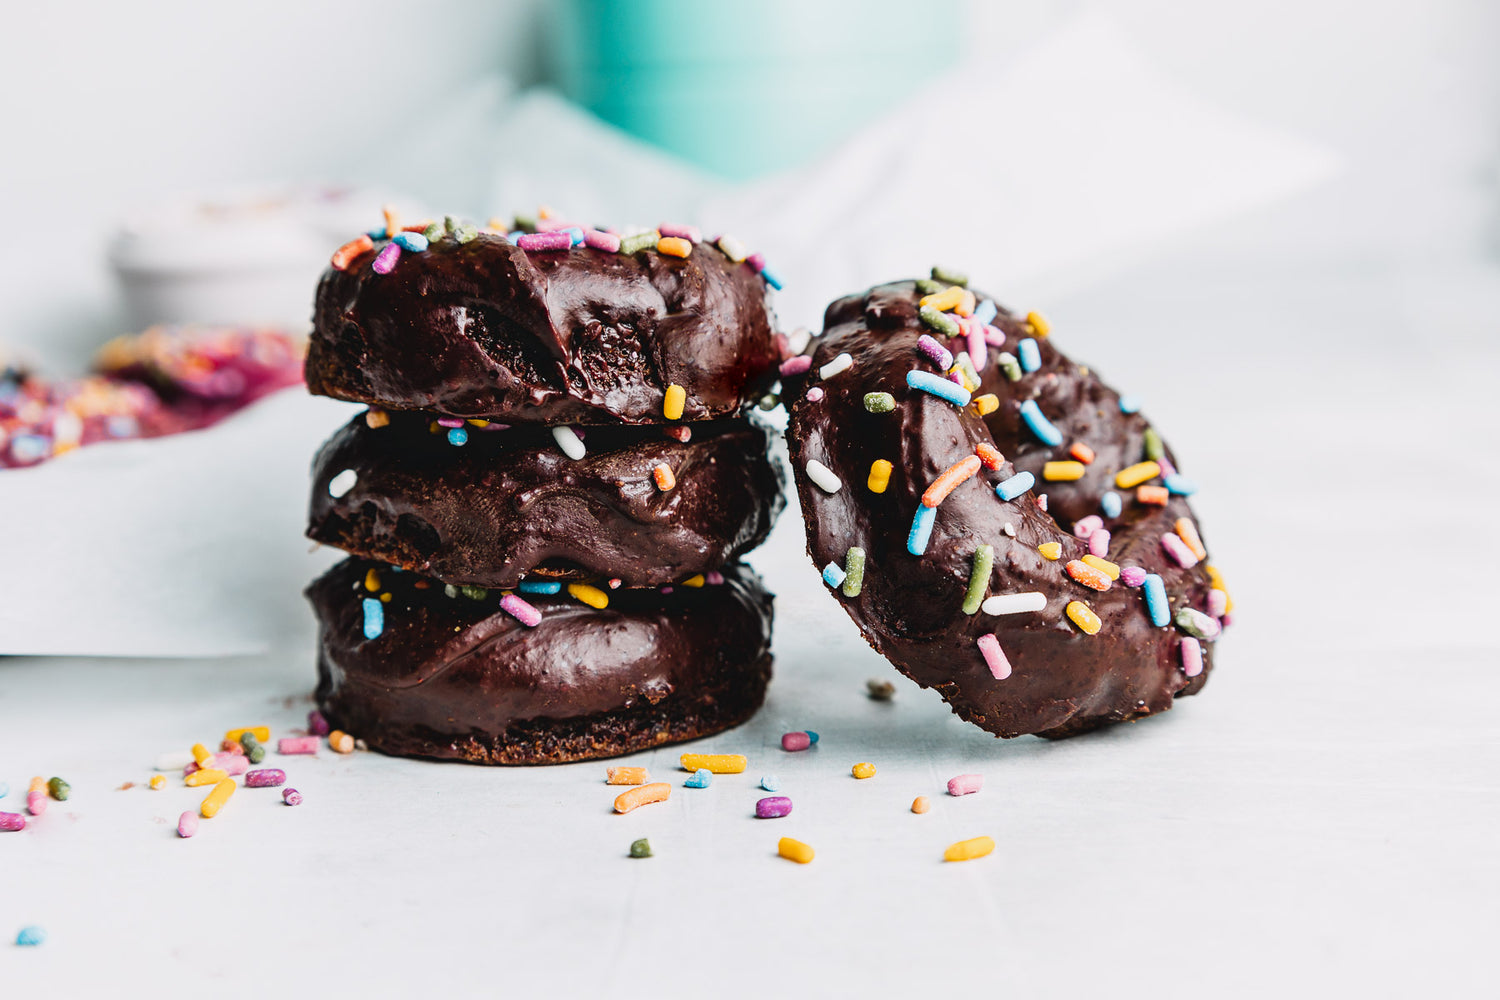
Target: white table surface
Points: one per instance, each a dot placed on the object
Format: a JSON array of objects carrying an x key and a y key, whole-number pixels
[{"x": 1321, "y": 820}]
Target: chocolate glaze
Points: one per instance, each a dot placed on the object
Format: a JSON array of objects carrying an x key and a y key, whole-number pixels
[
  {"x": 910, "y": 609},
  {"x": 485, "y": 329},
  {"x": 458, "y": 678},
  {"x": 509, "y": 502}
]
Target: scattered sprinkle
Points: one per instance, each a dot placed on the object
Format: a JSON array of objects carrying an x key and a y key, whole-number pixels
[
  {"x": 965, "y": 784},
  {"x": 1178, "y": 550},
  {"x": 994, "y": 656},
  {"x": 340, "y": 742},
  {"x": 673, "y": 402},
  {"x": 342, "y": 483},
  {"x": 880, "y": 475},
  {"x": 1039, "y": 425},
  {"x": 989, "y": 455},
  {"x": 796, "y": 366},
  {"x": 718, "y": 763},
  {"x": 773, "y": 807},
  {"x": 770, "y": 783},
  {"x": 674, "y": 246},
  {"x": 1197, "y": 624},
  {"x": 879, "y": 402},
  {"x": 59, "y": 789},
  {"x": 552, "y": 241},
  {"x": 700, "y": 778},
  {"x": 794, "y": 742},
  {"x": 854, "y": 571},
  {"x": 1055, "y": 472},
  {"x": 1013, "y": 604},
  {"x": 1083, "y": 616},
  {"x": 1013, "y": 487},
  {"x": 1191, "y": 652},
  {"x": 665, "y": 478},
  {"x": 921, "y": 529},
  {"x": 288, "y": 745},
  {"x": 518, "y": 609},
  {"x": 879, "y": 690},
  {"x": 215, "y": 799},
  {"x": 568, "y": 440},
  {"x": 948, "y": 274},
  {"x": 640, "y": 848},
  {"x": 1132, "y": 576},
  {"x": 643, "y": 795},
  {"x": 968, "y": 850},
  {"x": 794, "y": 850},
  {"x": 385, "y": 260},
  {"x": 588, "y": 594},
  {"x": 842, "y": 363},
  {"x": 1110, "y": 504},
  {"x": 862, "y": 770},
  {"x": 1050, "y": 550},
  {"x": 291, "y": 797},
  {"x": 986, "y": 404},
  {"x": 1188, "y": 532},
  {"x": 1130, "y": 404},
  {"x": 1134, "y": 475},
  {"x": 986, "y": 311},
  {"x": 11, "y": 822},
  {"x": 374, "y": 623},
  {"x": 833, "y": 575},
  {"x": 1029, "y": 354},
  {"x": 979, "y": 578},
  {"x": 640, "y": 241},
  {"x": 940, "y": 322}
]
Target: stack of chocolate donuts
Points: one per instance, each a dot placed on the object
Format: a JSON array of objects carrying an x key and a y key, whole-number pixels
[{"x": 547, "y": 499}]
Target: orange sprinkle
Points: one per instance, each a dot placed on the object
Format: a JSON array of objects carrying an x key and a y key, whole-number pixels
[
  {"x": 1158, "y": 495},
  {"x": 986, "y": 404},
  {"x": 665, "y": 480},
  {"x": 626, "y": 776},
  {"x": 1217, "y": 579},
  {"x": 1082, "y": 452},
  {"x": 1087, "y": 575},
  {"x": 1188, "y": 532},
  {"x": 340, "y": 742},
  {"x": 346, "y": 253},
  {"x": 989, "y": 455},
  {"x": 376, "y": 418},
  {"x": 966, "y": 303},
  {"x": 392, "y": 226},
  {"x": 641, "y": 796},
  {"x": 921, "y": 804},
  {"x": 1050, "y": 550},
  {"x": 961, "y": 471},
  {"x": 674, "y": 246}
]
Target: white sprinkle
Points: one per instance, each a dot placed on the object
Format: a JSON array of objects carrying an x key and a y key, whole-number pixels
[
  {"x": 174, "y": 760},
  {"x": 822, "y": 476},
  {"x": 842, "y": 363},
  {"x": 733, "y": 248},
  {"x": 568, "y": 440},
  {"x": 1014, "y": 604},
  {"x": 342, "y": 483},
  {"x": 1009, "y": 529},
  {"x": 449, "y": 590},
  {"x": 798, "y": 339}
]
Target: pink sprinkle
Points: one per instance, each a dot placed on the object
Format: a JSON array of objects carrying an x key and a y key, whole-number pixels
[
  {"x": 783, "y": 346},
  {"x": 520, "y": 610},
  {"x": 492, "y": 426},
  {"x": 956, "y": 377},
  {"x": 556, "y": 226},
  {"x": 757, "y": 262},
  {"x": 1132, "y": 576},
  {"x": 689, "y": 233},
  {"x": 797, "y": 365},
  {"x": 940, "y": 355},
  {"x": 1041, "y": 501},
  {"x": 1099, "y": 543},
  {"x": 385, "y": 261},
  {"x": 1178, "y": 550},
  {"x": 792, "y": 742},
  {"x": 1167, "y": 468},
  {"x": 614, "y": 583},
  {"x": 266, "y": 777},
  {"x": 682, "y": 433},
  {"x": 608, "y": 242},
  {"x": 190, "y": 768},
  {"x": 989, "y": 648},
  {"x": 714, "y": 578},
  {"x": 291, "y": 797},
  {"x": 12, "y": 821},
  {"x": 316, "y": 724},
  {"x": 450, "y": 421},
  {"x": 1086, "y": 526},
  {"x": 297, "y": 744},
  {"x": 814, "y": 394},
  {"x": 1226, "y": 621},
  {"x": 544, "y": 241},
  {"x": 978, "y": 352},
  {"x": 1217, "y": 602},
  {"x": 36, "y": 803},
  {"x": 666, "y": 589},
  {"x": 965, "y": 784},
  {"x": 187, "y": 824},
  {"x": 994, "y": 337},
  {"x": 773, "y": 807},
  {"x": 231, "y": 763},
  {"x": 1192, "y": 656}
]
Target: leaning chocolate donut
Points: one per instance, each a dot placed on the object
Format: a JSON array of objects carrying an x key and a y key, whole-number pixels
[
  {"x": 637, "y": 505},
  {"x": 1049, "y": 637},
  {"x": 483, "y": 328},
  {"x": 459, "y": 677}
]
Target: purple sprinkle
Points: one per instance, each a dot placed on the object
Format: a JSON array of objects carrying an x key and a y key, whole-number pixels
[
  {"x": 713, "y": 578},
  {"x": 689, "y": 233},
  {"x": 266, "y": 777},
  {"x": 667, "y": 589},
  {"x": 520, "y": 610},
  {"x": 12, "y": 821},
  {"x": 940, "y": 355},
  {"x": 450, "y": 422},
  {"x": 316, "y": 724},
  {"x": 599, "y": 240},
  {"x": 291, "y": 797},
  {"x": 797, "y": 365},
  {"x": 544, "y": 241},
  {"x": 1132, "y": 576},
  {"x": 773, "y": 807},
  {"x": 385, "y": 261},
  {"x": 814, "y": 394}
]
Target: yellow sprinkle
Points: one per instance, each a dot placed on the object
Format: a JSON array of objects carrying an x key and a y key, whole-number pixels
[
  {"x": 626, "y": 776},
  {"x": 1104, "y": 566},
  {"x": 945, "y": 300},
  {"x": 340, "y": 742},
  {"x": 986, "y": 404},
  {"x": 1136, "y": 474},
  {"x": 158, "y": 782},
  {"x": 372, "y": 580},
  {"x": 674, "y": 246},
  {"x": 1188, "y": 532},
  {"x": 671, "y": 406},
  {"x": 1059, "y": 471},
  {"x": 717, "y": 763},
  {"x": 880, "y": 475},
  {"x": 1217, "y": 579},
  {"x": 968, "y": 850},
  {"x": 433, "y": 427},
  {"x": 206, "y": 776},
  {"x": 1083, "y": 616},
  {"x": 1038, "y": 324},
  {"x": 215, "y": 799},
  {"x": 262, "y": 734},
  {"x": 479, "y": 423},
  {"x": 544, "y": 212},
  {"x": 376, "y": 418},
  {"x": 863, "y": 769},
  {"x": 794, "y": 850},
  {"x": 201, "y": 754},
  {"x": 921, "y": 804},
  {"x": 696, "y": 580},
  {"x": 385, "y": 598},
  {"x": 498, "y": 224},
  {"x": 592, "y": 596},
  {"x": 1050, "y": 550}
]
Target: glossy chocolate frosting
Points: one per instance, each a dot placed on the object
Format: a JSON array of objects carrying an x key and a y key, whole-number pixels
[
  {"x": 509, "y": 502},
  {"x": 1063, "y": 681},
  {"x": 456, "y": 677},
  {"x": 486, "y": 329}
]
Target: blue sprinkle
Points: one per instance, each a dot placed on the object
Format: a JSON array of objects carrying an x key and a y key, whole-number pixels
[
  {"x": 986, "y": 311},
  {"x": 458, "y": 437},
  {"x": 378, "y": 233},
  {"x": 575, "y": 235},
  {"x": 811, "y": 735},
  {"x": 122, "y": 427},
  {"x": 415, "y": 242},
  {"x": 1040, "y": 425},
  {"x": 1015, "y": 486},
  {"x": 26, "y": 448},
  {"x": 700, "y": 778},
  {"x": 939, "y": 387},
  {"x": 1156, "y": 600},
  {"x": 833, "y": 575},
  {"x": 771, "y": 783},
  {"x": 374, "y": 618},
  {"x": 539, "y": 587},
  {"x": 1109, "y": 504},
  {"x": 515, "y": 235},
  {"x": 1180, "y": 485},
  {"x": 921, "y": 529},
  {"x": 771, "y": 278},
  {"x": 1130, "y": 404},
  {"x": 31, "y": 936},
  {"x": 4, "y": 789},
  {"x": 1030, "y": 354}
]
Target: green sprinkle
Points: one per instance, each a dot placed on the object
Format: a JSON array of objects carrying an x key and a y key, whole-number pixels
[
  {"x": 929, "y": 287},
  {"x": 474, "y": 593},
  {"x": 879, "y": 402},
  {"x": 1010, "y": 366},
  {"x": 1155, "y": 452},
  {"x": 640, "y": 848},
  {"x": 435, "y": 232},
  {"x": 951, "y": 276},
  {"x": 248, "y": 740},
  {"x": 966, "y": 365},
  {"x": 938, "y": 321},
  {"x": 979, "y": 578},
  {"x": 769, "y": 401},
  {"x": 59, "y": 789},
  {"x": 465, "y": 232},
  {"x": 854, "y": 567},
  {"x": 638, "y": 242},
  {"x": 525, "y": 223},
  {"x": 255, "y": 754}
]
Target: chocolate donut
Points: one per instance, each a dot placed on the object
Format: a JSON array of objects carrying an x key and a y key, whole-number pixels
[
  {"x": 1029, "y": 643},
  {"x": 483, "y": 328},
  {"x": 509, "y": 502},
  {"x": 459, "y": 677}
]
